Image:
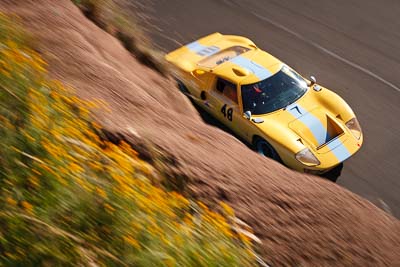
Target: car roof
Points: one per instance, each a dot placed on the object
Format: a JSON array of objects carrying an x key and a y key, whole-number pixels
[{"x": 250, "y": 67}]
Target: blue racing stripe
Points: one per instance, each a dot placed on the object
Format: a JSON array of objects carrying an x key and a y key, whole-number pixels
[
  {"x": 196, "y": 47},
  {"x": 202, "y": 50},
  {"x": 318, "y": 130},
  {"x": 259, "y": 71},
  {"x": 339, "y": 150}
]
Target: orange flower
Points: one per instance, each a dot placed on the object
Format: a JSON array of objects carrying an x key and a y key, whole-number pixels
[
  {"x": 75, "y": 167},
  {"x": 27, "y": 206},
  {"x": 101, "y": 192},
  {"x": 227, "y": 209},
  {"x": 34, "y": 181},
  {"x": 109, "y": 208},
  {"x": 133, "y": 242},
  {"x": 11, "y": 201}
]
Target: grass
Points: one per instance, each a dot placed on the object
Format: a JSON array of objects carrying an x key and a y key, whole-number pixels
[{"x": 68, "y": 197}]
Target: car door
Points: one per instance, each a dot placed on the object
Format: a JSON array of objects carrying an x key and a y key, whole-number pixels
[{"x": 222, "y": 101}]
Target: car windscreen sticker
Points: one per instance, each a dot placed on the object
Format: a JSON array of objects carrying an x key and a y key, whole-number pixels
[
  {"x": 259, "y": 71},
  {"x": 202, "y": 50},
  {"x": 257, "y": 89}
]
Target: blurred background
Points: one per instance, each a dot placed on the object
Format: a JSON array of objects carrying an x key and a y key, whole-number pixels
[{"x": 103, "y": 162}]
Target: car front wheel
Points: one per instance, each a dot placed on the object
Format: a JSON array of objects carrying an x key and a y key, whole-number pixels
[
  {"x": 264, "y": 148},
  {"x": 333, "y": 174}
]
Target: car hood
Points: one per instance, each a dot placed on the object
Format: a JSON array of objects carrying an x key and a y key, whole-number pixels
[
  {"x": 315, "y": 121},
  {"x": 307, "y": 122},
  {"x": 316, "y": 126}
]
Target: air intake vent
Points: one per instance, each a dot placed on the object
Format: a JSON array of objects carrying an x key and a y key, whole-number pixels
[
  {"x": 240, "y": 71},
  {"x": 332, "y": 130}
]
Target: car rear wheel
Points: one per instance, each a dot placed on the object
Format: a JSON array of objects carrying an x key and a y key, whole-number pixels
[
  {"x": 264, "y": 148},
  {"x": 182, "y": 87}
]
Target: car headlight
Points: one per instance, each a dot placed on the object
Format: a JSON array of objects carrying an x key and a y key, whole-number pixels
[
  {"x": 354, "y": 127},
  {"x": 307, "y": 158}
]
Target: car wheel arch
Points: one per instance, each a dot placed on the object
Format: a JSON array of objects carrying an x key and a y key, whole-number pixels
[
  {"x": 257, "y": 138},
  {"x": 182, "y": 87}
]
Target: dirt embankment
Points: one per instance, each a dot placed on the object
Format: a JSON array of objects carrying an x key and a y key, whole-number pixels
[{"x": 301, "y": 220}]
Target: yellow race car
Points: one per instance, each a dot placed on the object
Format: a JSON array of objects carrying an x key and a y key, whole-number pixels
[{"x": 265, "y": 102}]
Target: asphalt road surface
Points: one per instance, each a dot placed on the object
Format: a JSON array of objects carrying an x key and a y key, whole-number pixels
[{"x": 351, "y": 46}]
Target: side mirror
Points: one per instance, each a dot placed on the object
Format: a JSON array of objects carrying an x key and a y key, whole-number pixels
[
  {"x": 312, "y": 81},
  {"x": 247, "y": 114}
]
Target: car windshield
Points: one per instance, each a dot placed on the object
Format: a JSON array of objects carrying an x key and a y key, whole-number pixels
[{"x": 273, "y": 93}]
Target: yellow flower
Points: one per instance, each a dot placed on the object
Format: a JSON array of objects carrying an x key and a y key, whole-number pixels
[
  {"x": 130, "y": 240},
  {"x": 109, "y": 208},
  {"x": 178, "y": 240},
  {"x": 202, "y": 206},
  {"x": 34, "y": 181},
  {"x": 10, "y": 255},
  {"x": 96, "y": 125},
  {"x": 182, "y": 202},
  {"x": 46, "y": 168},
  {"x": 169, "y": 262},
  {"x": 37, "y": 172},
  {"x": 11, "y": 201},
  {"x": 188, "y": 219},
  {"x": 63, "y": 170},
  {"x": 84, "y": 184},
  {"x": 5, "y": 73},
  {"x": 27, "y": 206},
  {"x": 75, "y": 167},
  {"x": 29, "y": 137},
  {"x": 101, "y": 192},
  {"x": 95, "y": 166},
  {"x": 227, "y": 209}
]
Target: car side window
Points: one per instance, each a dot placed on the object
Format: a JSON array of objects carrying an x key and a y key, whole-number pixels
[{"x": 227, "y": 89}]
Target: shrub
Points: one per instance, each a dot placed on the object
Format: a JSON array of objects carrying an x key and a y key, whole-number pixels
[{"x": 67, "y": 197}]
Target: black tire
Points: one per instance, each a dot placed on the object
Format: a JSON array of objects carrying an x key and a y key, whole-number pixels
[
  {"x": 262, "y": 147},
  {"x": 333, "y": 174},
  {"x": 182, "y": 87}
]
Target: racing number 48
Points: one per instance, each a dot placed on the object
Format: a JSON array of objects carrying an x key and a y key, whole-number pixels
[{"x": 227, "y": 112}]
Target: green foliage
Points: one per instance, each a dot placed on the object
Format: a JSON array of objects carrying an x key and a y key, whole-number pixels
[{"x": 69, "y": 198}]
